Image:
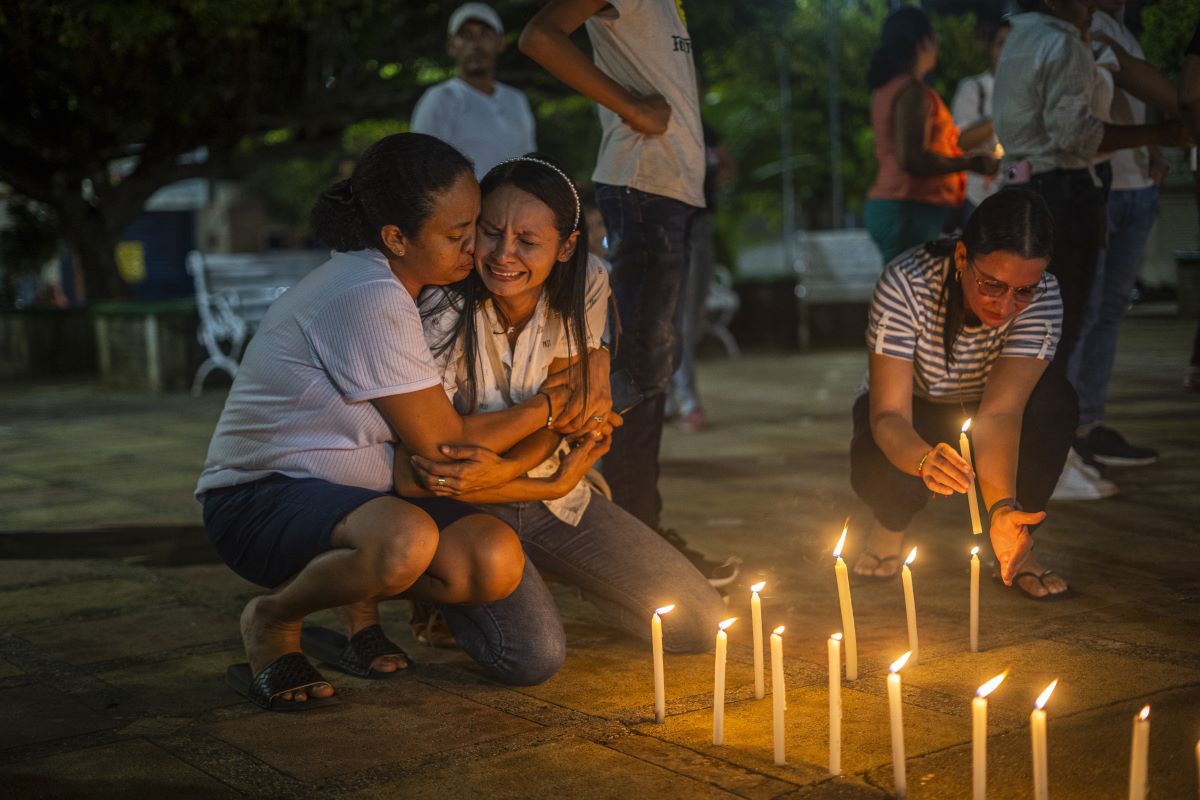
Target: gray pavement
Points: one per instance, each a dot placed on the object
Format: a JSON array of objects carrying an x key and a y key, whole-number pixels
[{"x": 116, "y": 623}]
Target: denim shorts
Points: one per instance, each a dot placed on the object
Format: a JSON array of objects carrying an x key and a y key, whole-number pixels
[{"x": 268, "y": 530}]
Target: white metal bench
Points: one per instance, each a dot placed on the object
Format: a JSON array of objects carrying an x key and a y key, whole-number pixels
[
  {"x": 720, "y": 306},
  {"x": 233, "y": 293},
  {"x": 838, "y": 266}
]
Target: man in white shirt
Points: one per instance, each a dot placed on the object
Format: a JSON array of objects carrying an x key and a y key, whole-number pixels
[{"x": 486, "y": 120}]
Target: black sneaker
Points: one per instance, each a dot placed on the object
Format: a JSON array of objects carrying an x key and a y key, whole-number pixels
[
  {"x": 1105, "y": 446},
  {"x": 719, "y": 574}
]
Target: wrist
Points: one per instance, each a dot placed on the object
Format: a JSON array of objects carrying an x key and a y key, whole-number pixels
[{"x": 1005, "y": 504}]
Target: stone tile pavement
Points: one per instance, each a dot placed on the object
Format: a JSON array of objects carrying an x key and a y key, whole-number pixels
[{"x": 116, "y": 623}]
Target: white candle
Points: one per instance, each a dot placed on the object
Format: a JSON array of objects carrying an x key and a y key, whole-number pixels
[
  {"x": 979, "y": 736},
  {"x": 756, "y": 621},
  {"x": 656, "y": 648},
  {"x": 910, "y": 604},
  {"x": 1037, "y": 736},
  {"x": 974, "y": 599},
  {"x": 1139, "y": 754},
  {"x": 835, "y": 704},
  {"x": 719, "y": 682},
  {"x": 778, "y": 693},
  {"x": 1197, "y": 741},
  {"x": 898, "y": 759},
  {"x": 843, "y": 584},
  {"x": 964, "y": 447}
]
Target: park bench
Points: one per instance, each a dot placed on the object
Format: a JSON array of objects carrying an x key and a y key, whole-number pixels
[
  {"x": 233, "y": 293},
  {"x": 839, "y": 266},
  {"x": 720, "y": 306}
]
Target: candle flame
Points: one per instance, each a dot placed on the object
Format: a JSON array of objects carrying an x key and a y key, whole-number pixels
[
  {"x": 1045, "y": 695},
  {"x": 837, "y": 636},
  {"x": 758, "y": 587},
  {"x": 724, "y": 625},
  {"x": 665, "y": 609},
  {"x": 911, "y": 556},
  {"x": 966, "y": 425},
  {"x": 837, "y": 551},
  {"x": 1144, "y": 714},
  {"x": 990, "y": 686},
  {"x": 778, "y": 631},
  {"x": 974, "y": 551},
  {"x": 899, "y": 663}
]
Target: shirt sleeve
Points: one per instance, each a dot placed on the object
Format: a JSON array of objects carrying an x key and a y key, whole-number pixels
[
  {"x": 431, "y": 115},
  {"x": 369, "y": 341},
  {"x": 894, "y": 318},
  {"x": 965, "y": 107},
  {"x": 1068, "y": 120},
  {"x": 1036, "y": 330}
]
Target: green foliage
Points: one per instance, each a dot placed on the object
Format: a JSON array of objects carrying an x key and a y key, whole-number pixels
[{"x": 1167, "y": 28}]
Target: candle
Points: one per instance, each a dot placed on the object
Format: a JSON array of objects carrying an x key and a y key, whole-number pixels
[
  {"x": 778, "y": 692},
  {"x": 835, "y": 704},
  {"x": 1037, "y": 736},
  {"x": 964, "y": 447},
  {"x": 1138, "y": 755},
  {"x": 756, "y": 621},
  {"x": 979, "y": 736},
  {"x": 719, "y": 682},
  {"x": 843, "y": 584},
  {"x": 893, "y": 690},
  {"x": 974, "y": 599},
  {"x": 910, "y": 604},
  {"x": 656, "y": 648},
  {"x": 1197, "y": 741}
]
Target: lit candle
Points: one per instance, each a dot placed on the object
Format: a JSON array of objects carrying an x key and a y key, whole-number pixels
[
  {"x": 1198, "y": 740},
  {"x": 756, "y": 621},
  {"x": 1037, "y": 735},
  {"x": 1139, "y": 754},
  {"x": 778, "y": 693},
  {"x": 979, "y": 736},
  {"x": 835, "y": 704},
  {"x": 893, "y": 690},
  {"x": 974, "y": 599},
  {"x": 910, "y": 604},
  {"x": 843, "y": 584},
  {"x": 719, "y": 682},
  {"x": 964, "y": 447},
  {"x": 656, "y": 647}
]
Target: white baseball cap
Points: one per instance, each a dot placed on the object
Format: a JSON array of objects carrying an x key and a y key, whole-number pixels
[{"x": 477, "y": 11}]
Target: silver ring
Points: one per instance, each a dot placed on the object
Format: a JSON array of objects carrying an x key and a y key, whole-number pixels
[{"x": 441, "y": 481}]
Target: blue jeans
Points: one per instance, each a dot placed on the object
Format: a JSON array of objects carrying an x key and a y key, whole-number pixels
[
  {"x": 1131, "y": 214},
  {"x": 648, "y": 241},
  {"x": 621, "y": 566}
]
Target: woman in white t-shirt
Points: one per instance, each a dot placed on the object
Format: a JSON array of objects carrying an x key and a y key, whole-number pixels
[
  {"x": 536, "y": 305},
  {"x": 965, "y": 329}
]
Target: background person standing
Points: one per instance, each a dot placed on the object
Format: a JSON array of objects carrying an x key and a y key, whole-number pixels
[{"x": 972, "y": 112}]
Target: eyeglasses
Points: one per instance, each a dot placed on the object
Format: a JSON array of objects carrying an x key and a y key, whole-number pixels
[{"x": 991, "y": 287}]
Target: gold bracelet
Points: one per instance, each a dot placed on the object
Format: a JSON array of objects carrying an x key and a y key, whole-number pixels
[{"x": 921, "y": 463}]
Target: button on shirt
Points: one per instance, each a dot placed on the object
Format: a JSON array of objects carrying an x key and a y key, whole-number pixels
[
  {"x": 1044, "y": 82},
  {"x": 486, "y": 128}
]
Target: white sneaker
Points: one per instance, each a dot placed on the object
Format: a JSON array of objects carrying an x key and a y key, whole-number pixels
[{"x": 1081, "y": 481}]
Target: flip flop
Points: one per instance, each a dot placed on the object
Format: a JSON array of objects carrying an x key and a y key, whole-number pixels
[
  {"x": 352, "y": 656},
  {"x": 430, "y": 628},
  {"x": 1049, "y": 597},
  {"x": 290, "y": 672},
  {"x": 859, "y": 578}
]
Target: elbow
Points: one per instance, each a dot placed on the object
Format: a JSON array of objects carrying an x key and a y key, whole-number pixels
[{"x": 532, "y": 40}]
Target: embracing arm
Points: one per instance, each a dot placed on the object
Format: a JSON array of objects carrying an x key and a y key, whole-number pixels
[{"x": 911, "y": 154}]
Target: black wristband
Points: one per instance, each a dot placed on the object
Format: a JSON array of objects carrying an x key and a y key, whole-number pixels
[
  {"x": 549, "y": 408},
  {"x": 1006, "y": 502}
]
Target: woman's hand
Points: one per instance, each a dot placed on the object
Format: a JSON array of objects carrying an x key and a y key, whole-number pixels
[
  {"x": 585, "y": 452},
  {"x": 983, "y": 164},
  {"x": 944, "y": 471},
  {"x": 1011, "y": 540},
  {"x": 469, "y": 469},
  {"x": 579, "y": 417},
  {"x": 558, "y": 388}
]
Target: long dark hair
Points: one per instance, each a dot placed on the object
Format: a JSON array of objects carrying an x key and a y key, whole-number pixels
[
  {"x": 1013, "y": 220},
  {"x": 394, "y": 183},
  {"x": 903, "y": 30},
  {"x": 565, "y": 289}
]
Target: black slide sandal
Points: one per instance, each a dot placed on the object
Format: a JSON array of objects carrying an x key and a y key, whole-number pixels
[
  {"x": 290, "y": 672},
  {"x": 352, "y": 656}
]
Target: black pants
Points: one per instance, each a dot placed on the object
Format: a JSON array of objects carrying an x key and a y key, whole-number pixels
[{"x": 1047, "y": 430}]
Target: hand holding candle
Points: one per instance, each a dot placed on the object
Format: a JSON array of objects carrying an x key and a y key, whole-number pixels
[
  {"x": 910, "y": 604},
  {"x": 835, "y": 704},
  {"x": 899, "y": 775},
  {"x": 719, "y": 681},
  {"x": 778, "y": 694},
  {"x": 979, "y": 709},
  {"x": 964, "y": 446},
  {"x": 656, "y": 647},
  {"x": 843, "y": 584},
  {"x": 756, "y": 622},
  {"x": 1037, "y": 736},
  {"x": 1139, "y": 755}
]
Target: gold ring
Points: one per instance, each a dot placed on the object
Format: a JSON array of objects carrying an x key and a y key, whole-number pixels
[
  {"x": 441, "y": 481},
  {"x": 598, "y": 419}
]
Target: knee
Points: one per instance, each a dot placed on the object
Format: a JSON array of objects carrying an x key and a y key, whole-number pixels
[
  {"x": 497, "y": 564},
  {"x": 402, "y": 551},
  {"x": 538, "y": 663}
]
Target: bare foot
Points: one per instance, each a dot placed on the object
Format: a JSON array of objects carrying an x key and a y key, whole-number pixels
[
  {"x": 354, "y": 618},
  {"x": 881, "y": 556},
  {"x": 266, "y": 638},
  {"x": 1049, "y": 585}
]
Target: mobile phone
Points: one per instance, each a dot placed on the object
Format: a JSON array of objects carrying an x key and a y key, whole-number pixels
[
  {"x": 625, "y": 391},
  {"x": 1018, "y": 172}
]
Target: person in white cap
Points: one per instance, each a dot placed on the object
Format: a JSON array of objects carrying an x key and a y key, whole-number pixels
[{"x": 486, "y": 120}]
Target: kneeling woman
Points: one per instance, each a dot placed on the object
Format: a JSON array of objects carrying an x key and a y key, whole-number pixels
[
  {"x": 963, "y": 329},
  {"x": 297, "y": 485},
  {"x": 534, "y": 306}
]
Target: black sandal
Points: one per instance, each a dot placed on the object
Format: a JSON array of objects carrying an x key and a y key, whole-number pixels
[
  {"x": 290, "y": 672},
  {"x": 1048, "y": 597},
  {"x": 352, "y": 656},
  {"x": 857, "y": 576}
]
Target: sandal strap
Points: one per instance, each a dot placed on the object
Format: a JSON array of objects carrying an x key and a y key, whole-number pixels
[
  {"x": 290, "y": 672},
  {"x": 367, "y": 645}
]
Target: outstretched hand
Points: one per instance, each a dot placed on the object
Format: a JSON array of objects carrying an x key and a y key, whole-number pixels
[{"x": 1011, "y": 540}]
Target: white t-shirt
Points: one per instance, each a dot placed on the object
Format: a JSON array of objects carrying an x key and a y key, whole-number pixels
[
  {"x": 644, "y": 45},
  {"x": 972, "y": 105},
  {"x": 486, "y": 128},
  {"x": 346, "y": 334},
  {"x": 1130, "y": 166}
]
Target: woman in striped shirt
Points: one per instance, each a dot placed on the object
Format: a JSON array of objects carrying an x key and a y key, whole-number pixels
[{"x": 965, "y": 328}]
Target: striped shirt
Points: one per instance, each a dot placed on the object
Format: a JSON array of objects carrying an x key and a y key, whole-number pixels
[
  {"x": 906, "y": 321},
  {"x": 346, "y": 334}
]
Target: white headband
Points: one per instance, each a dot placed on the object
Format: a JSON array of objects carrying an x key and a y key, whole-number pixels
[{"x": 570, "y": 183}]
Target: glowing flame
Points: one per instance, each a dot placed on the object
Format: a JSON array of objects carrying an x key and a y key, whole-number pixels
[
  {"x": 911, "y": 556},
  {"x": 990, "y": 686},
  {"x": 1145, "y": 714},
  {"x": 665, "y": 609},
  {"x": 724, "y": 625},
  {"x": 758, "y": 587},
  {"x": 899, "y": 663},
  {"x": 1045, "y": 695},
  {"x": 974, "y": 551},
  {"x": 837, "y": 636},
  {"x": 778, "y": 631},
  {"x": 837, "y": 551},
  {"x": 966, "y": 425}
]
